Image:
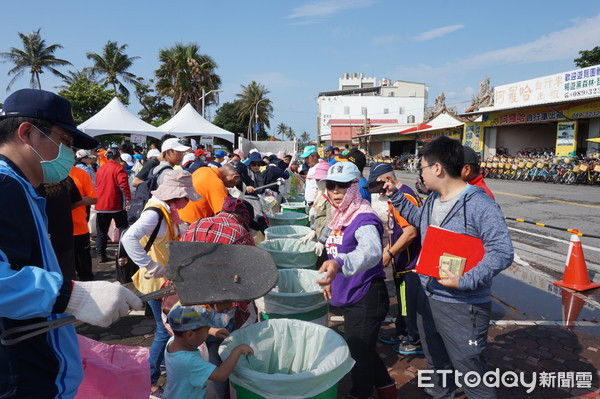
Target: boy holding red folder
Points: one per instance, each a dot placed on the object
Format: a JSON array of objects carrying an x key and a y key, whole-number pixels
[{"x": 454, "y": 312}]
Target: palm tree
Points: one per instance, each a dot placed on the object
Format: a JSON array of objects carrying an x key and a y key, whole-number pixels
[
  {"x": 114, "y": 63},
  {"x": 304, "y": 138},
  {"x": 74, "y": 76},
  {"x": 282, "y": 129},
  {"x": 35, "y": 57},
  {"x": 253, "y": 104},
  {"x": 184, "y": 73},
  {"x": 290, "y": 134}
]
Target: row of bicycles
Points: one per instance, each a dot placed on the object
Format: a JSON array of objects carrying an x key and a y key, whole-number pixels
[{"x": 548, "y": 168}]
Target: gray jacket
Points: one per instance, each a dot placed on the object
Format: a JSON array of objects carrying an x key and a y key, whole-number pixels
[{"x": 477, "y": 215}]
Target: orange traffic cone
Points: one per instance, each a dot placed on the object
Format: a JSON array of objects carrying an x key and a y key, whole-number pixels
[
  {"x": 576, "y": 274},
  {"x": 572, "y": 304}
]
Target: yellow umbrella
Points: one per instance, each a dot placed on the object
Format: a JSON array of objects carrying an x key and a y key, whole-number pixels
[{"x": 594, "y": 140}]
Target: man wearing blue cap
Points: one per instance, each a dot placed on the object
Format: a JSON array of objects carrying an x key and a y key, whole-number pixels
[
  {"x": 217, "y": 161},
  {"x": 311, "y": 158},
  {"x": 330, "y": 154},
  {"x": 37, "y": 132}
]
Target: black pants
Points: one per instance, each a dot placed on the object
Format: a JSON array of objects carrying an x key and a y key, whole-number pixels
[
  {"x": 102, "y": 225},
  {"x": 83, "y": 257},
  {"x": 407, "y": 287},
  {"x": 454, "y": 337},
  {"x": 362, "y": 322}
]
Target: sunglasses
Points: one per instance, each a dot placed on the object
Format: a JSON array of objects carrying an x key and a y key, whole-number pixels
[{"x": 330, "y": 185}]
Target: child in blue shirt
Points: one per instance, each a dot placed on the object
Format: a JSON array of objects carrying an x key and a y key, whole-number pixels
[{"x": 187, "y": 372}]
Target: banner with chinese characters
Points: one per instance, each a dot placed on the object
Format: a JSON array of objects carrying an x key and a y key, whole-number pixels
[
  {"x": 566, "y": 138},
  {"x": 590, "y": 109},
  {"x": 473, "y": 136},
  {"x": 566, "y": 86},
  {"x": 430, "y": 136}
]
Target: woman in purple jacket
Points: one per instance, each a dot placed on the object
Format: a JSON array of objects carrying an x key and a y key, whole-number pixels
[{"x": 354, "y": 279}]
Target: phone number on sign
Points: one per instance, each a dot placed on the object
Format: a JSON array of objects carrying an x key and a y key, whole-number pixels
[{"x": 581, "y": 93}]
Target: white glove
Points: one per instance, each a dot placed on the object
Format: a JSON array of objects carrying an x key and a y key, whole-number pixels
[
  {"x": 155, "y": 270},
  {"x": 319, "y": 248},
  {"x": 101, "y": 303},
  {"x": 308, "y": 237},
  {"x": 312, "y": 215}
]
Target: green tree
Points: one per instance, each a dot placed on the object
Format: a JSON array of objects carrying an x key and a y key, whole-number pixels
[
  {"x": 304, "y": 138},
  {"x": 114, "y": 64},
  {"x": 254, "y": 106},
  {"x": 154, "y": 110},
  {"x": 227, "y": 118},
  {"x": 35, "y": 57},
  {"x": 282, "y": 129},
  {"x": 588, "y": 58},
  {"x": 290, "y": 134},
  {"x": 87, "y": 98},
  {"x": 72, "y": 76},
  {"x": 183, "y": 74}
]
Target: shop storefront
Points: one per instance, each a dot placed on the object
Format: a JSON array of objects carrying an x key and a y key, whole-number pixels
[{"x": 555, "y": 113}]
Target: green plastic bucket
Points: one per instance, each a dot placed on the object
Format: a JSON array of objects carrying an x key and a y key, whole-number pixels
[
  {"x": 298, "y": 207},
  {"x": 275, "y": 232},
  {"x": 293, "y": 359},
  {"x": 296, "y": 296},
  {"x": 289, "y": 219},
  {"x": 290, "y": 253}
]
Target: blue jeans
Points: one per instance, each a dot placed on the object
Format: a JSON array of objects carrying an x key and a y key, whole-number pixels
[{"x": 157, "y": 350}]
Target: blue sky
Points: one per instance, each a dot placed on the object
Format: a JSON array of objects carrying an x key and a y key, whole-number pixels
[{"x": 300, "y": 48}]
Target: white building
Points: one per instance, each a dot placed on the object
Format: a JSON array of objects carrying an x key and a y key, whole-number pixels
[{"x": 363, "y": 102}]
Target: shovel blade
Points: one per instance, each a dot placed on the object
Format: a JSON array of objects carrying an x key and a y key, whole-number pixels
[{"x": 210, "y": 273}]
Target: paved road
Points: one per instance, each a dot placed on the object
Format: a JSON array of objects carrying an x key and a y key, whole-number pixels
[{"x": 575, "y": 207}]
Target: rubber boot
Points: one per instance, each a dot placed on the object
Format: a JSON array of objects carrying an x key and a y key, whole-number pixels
[{"x": 388, "y": 392}]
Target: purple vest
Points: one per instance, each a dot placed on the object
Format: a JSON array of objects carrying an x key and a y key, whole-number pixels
[{"x": 349, "y": 290}]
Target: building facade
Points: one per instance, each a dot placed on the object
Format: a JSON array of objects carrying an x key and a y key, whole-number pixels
[{"x": 361, "y": 103}]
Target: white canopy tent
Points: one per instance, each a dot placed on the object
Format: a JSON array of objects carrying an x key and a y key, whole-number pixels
[
  {"x": 115, "y": 118},
  {"x": 188, "y": 122}
]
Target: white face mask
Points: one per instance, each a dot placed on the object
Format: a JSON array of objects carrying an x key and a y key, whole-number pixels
[{"x": 56, "y": 169}]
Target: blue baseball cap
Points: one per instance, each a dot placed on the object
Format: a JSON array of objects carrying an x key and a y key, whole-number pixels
[
  {"x": 308, "y": 150},
  {"x": 34, "y": 103},
  {"x": 378, "y": 169},
  {"x": 329, "y": 148},
  {"x": 255, "y": 157},
  {"x": 183, "y": 318},
  {"x": 342, "y": 172},
  {"x": 220, "y": 154}
]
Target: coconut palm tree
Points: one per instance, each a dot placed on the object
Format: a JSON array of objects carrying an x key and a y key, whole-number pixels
[
  {"x": 254, "y": 105},
  {"x": 290, "y": 134},
  {"x": 34, "y": 58},
  {"x": 282, "y": 129},
  {"x": 73, "y": 76},
  {"x": 183, "y": 74},
  {"x": 113, "y": 63}
]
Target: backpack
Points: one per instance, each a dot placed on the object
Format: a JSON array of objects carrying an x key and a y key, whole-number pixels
[
  {"x": 126, "y": 268},
  {"x": 143, "y": 192}
]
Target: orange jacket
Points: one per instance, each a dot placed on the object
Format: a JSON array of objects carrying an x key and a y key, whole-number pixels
[{"x": 209, "y": 184}]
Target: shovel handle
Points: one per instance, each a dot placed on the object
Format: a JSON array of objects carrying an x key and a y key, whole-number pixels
[{"x": 44, "y": 326}]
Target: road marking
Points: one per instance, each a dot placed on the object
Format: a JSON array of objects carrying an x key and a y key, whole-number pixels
[
  {"x": 553, "y": 239},
  {"x": 410, "y": 180},
  {"x": 575, "y": 203},
  {"x": 541, "y": 323},
  {"x": 515, "y": 195}
]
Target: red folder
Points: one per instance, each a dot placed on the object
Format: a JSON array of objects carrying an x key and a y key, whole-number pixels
[{"x": 439, "y": 241}]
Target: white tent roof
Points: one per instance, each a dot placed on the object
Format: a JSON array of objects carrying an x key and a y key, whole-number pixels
[
  {"x": 188, "y": 122},
  {"x": 115, "y": 118}
]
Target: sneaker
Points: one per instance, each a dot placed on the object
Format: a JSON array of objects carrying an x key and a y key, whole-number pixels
[
  {"x": 392, "y": 339},
  {"x": 158, "y": 394},
  {"x": 407, "y": 349}
]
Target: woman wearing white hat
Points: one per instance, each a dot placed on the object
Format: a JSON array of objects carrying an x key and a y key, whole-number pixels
[{"x": 354, "y": 279}]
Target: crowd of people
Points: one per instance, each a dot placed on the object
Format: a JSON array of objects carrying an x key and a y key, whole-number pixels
[{"x": 175, "y": 192}]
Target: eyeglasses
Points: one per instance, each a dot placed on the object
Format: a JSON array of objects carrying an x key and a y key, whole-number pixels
[
  {"x": 331, "y": 185},
  {"x": 69, "y": 139},
  {"x": 420, "y": 168}
]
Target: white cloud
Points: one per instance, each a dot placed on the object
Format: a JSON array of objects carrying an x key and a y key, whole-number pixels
[
  {"x": 274, "y": 80},
  {"x": 322, "y": 9},
  {"x": 384, "y": 40},
  {"x": 437, "y": 32}
]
